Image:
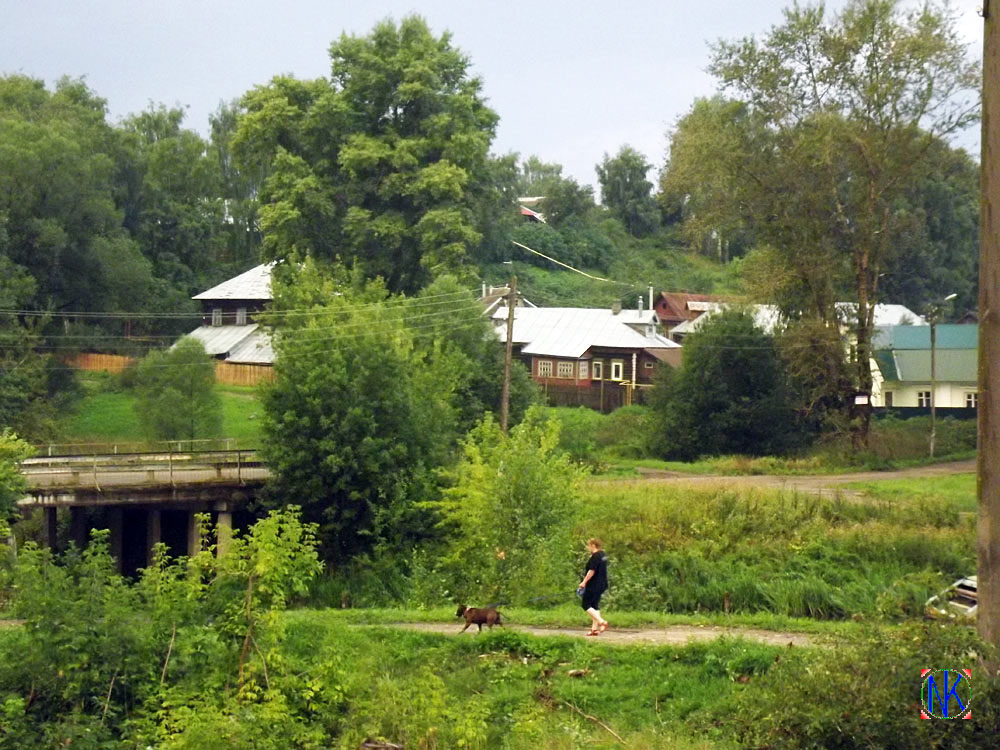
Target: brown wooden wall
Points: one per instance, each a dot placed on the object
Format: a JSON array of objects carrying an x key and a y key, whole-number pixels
[{"x": 226, "y": 373}]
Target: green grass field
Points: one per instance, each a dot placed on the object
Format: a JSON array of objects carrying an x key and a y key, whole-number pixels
[
  {"x": 106, "y": 415},
  {"x": 957, "y": 492}
]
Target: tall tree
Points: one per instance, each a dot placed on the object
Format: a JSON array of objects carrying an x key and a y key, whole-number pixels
[
  {"x": 627, "y": 192},
  {"x": 379, "y": 166},
  {"x": 842, "y": 116}
]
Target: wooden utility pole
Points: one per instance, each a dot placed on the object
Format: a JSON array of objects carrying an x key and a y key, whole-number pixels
[
  {"x": 989, "y": 337},
  {"x": 505, "y": 389}
]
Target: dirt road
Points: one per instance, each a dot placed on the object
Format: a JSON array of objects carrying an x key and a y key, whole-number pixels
[{"x": 673, "y": 635}]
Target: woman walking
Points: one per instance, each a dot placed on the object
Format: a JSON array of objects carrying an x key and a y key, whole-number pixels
[{"x": 595, "y": 583}]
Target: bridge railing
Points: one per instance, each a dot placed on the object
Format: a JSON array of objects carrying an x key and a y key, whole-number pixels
[
  {"x": 142, "y": 469},
  {"x": 114, "y": 448}
]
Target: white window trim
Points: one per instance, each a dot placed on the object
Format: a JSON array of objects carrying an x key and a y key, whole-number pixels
[
  {"x": 920, "y": 399},
  {"x": 584, "y": 369},
  {"x": 648, "y": 364},
  {"x": 972, "y": 399},
  {"x": 216, "y": 316},
  {"x": 620, "y": 364},
  {"x": 241, "y": 316},
  {"x": 597, "y": 370},
  {"x": 562, "y": 367},
  {"x": 548, "y": 365}
]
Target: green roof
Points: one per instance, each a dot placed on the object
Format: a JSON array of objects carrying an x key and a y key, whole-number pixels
[
  {"x": 954, "y": 365},
  {"x": 946, "y": 336}
]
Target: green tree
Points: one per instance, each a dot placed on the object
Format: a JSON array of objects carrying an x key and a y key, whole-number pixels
[
  {"x": 382, "y": 167},
  {"x": 730, "y": 395},
  {"x": 841, "y": 117},
  {"x": 177, "y": 399},
  {"x": 356, "y": 420},
  {"x": 508, "y": 512},
  {"x": 13, "y": 450},
  {"x": 627, "y": 192}
]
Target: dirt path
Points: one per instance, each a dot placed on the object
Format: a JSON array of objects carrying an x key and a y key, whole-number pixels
[
  {"x": 818, "y": 484},
  {"x": 673, "y": 635}
]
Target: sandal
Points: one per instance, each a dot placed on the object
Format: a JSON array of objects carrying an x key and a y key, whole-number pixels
[
  {"x": 593, "y": 632},
  {"x": 602, "y": 627}
]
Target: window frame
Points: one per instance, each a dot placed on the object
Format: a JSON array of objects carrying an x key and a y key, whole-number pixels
[
  {"x": 923, "y": 399},
  {"x": 241, "y": 316},
  {"x": 217, "y": 316},
  {"x": 972, "y": 399},
  {"x": 562, "y": 366},
  {"x": 548, "y": 365},
  {"x": 597, "y": 369},
  {"x": 620, "y": 365},
  {"x": 584, "y": 368}
]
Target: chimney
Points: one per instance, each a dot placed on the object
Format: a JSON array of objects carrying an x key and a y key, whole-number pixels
[
  {"x": 616, "y": 308},
  {"x": 640, "y": 305},
  {"x": 650, "y": 296}
]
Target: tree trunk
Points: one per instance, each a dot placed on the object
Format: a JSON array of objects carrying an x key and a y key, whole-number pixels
[{"x": 988, "y": 620}]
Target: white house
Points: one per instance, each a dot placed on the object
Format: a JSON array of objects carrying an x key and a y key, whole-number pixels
[{"x": 902, "y": 367}]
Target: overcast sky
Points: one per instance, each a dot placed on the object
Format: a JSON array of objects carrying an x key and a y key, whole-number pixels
[{"x": 570, "y": 80}]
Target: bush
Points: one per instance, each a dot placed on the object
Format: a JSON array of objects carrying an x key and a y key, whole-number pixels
[{"x": 800, "y": 702}]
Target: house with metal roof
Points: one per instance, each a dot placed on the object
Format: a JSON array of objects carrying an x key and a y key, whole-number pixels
[
  {"x": 902, "y": 367},
  {"x": 601, "y": 358},
  {"x": 229, "y": 331}
]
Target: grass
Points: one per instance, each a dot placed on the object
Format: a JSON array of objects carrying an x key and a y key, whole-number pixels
[
  {"x": 106, "y": 414},
  {"x": 507, "y": 689},
  {"x": 956, "y": 491}
]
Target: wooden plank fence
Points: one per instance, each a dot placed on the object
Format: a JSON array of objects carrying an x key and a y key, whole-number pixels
[{"x": 226, "y": 373}]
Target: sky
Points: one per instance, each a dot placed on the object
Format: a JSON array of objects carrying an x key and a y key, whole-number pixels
[{"x": 571, "y": 81}]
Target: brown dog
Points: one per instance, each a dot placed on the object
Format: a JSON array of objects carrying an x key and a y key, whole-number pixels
[{"x": 473, "y": 616}]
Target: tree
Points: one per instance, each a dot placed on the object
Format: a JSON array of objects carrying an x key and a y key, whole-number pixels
[
  {"x": 626, "y": 191},
  {"x": 380, "y": 166},
  {"x": 176, "y": 392},
  {"x": 13, "y": 484},
  {"x": 356, "y": 421},
  {"x": 730, "y": 395},
  {"x": 841, "y": 117}
]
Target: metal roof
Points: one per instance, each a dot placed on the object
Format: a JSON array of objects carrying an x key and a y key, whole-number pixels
[
  {"x": 570, "y": 331},
  {"x": 255, "y": 349},
  {"x": 252, "y": 284},
  {"x": 222, "y": 339},
  {"x": 951, "y": 365},
  {"x": 765, "y": 317},
  {"x": 946, "y": 336},
  {"x": 885, "y": 315}
]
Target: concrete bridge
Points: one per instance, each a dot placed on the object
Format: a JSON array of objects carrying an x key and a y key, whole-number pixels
[{"x": 141, "y": 498}]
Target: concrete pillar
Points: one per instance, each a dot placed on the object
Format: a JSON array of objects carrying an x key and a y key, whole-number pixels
[
  {"x": 116, "y": 531},
  {"x": 224, "y": 532},
  {"x": 51, "y": 528},
  {"x": 153, "y": 532},
  {"x": 193, "y": 535},
  {"x": 78, "y": 526}
]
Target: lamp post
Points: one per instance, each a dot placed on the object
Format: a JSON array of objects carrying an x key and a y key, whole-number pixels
[{"x": 933, "y": 311}]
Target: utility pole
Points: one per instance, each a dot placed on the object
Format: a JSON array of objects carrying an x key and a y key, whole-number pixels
[
  {"x": 988, "y": 620},
  {"x": 933, "y": 314},
  {"x": 505, "y": 390}
]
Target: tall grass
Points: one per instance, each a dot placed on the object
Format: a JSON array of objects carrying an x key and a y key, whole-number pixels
[{"x": 696, "y": 550}]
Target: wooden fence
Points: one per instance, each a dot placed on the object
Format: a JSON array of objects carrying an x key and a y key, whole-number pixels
[
  {"x": 226, "y": 373},
  {"x": 99, "y": 362}
]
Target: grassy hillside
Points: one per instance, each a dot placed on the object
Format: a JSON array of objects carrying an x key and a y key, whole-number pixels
[{"x": 107, "y": 413}]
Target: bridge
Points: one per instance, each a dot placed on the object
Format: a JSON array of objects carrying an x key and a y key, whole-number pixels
[{"x": 142, "y": 498}]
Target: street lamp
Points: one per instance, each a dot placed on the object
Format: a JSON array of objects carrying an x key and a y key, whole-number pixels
[{"x": 933, "y": 311}]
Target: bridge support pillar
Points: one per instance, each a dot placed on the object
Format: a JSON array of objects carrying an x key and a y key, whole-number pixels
[
  {"x": 154, "y": 531},
  {"x": 51, "y": 528},
  {"x": 78, "y": 526},
  {"x": 194, "y": 535},
  {"x": 223, "y": 532},
  {"x": 115, "y": 529}
]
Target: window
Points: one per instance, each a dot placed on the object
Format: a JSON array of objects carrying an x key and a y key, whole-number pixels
[
  {"x": 617, "y": 369},
  {"x": 564, "y": 369},
  {"x": 584, "y": 370},
  {"x": 216, "y": 316},
  {"x": 888, "y": 399},
  {"x": 648, "y": 364},
  {"x": 545, "y": 368},
  {"x": 241, "y": 316},
  {"x": 598, "y": 366},
  {"x": 971, "y": 400},
  {"x": 923, "y": 398}
]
